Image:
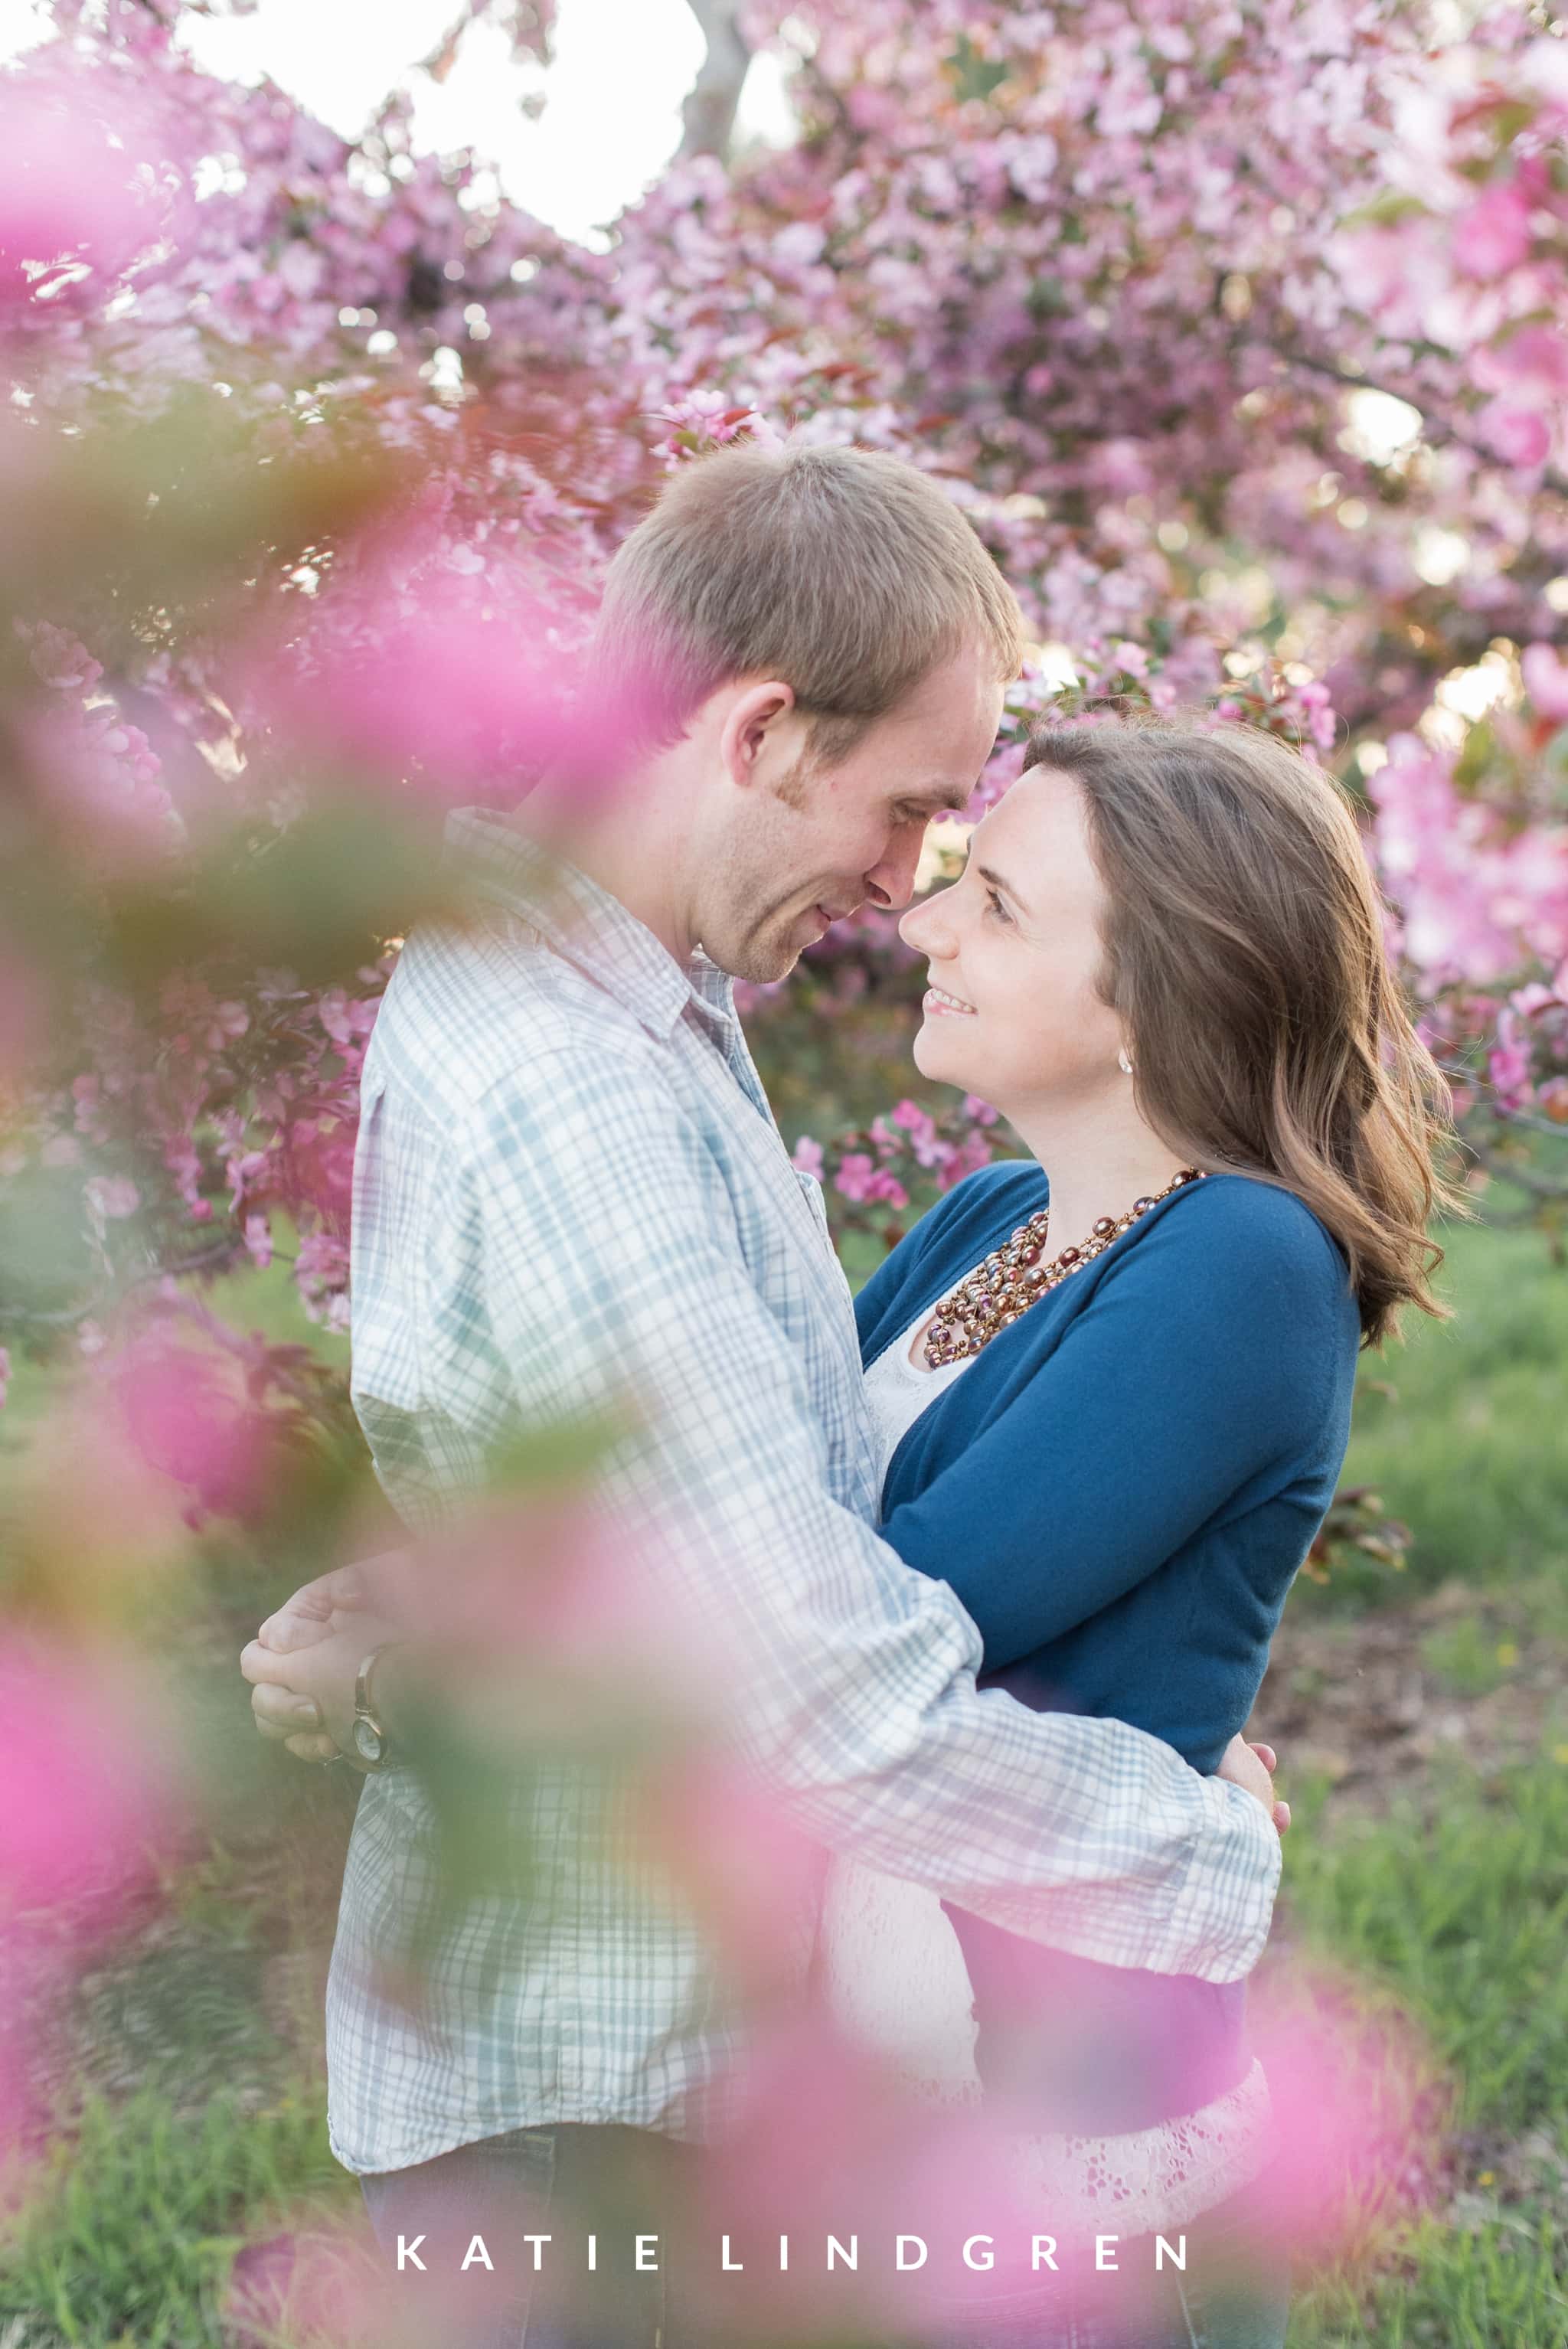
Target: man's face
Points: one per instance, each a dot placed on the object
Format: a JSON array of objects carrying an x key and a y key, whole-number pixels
[{"x": 804, "y": 845}]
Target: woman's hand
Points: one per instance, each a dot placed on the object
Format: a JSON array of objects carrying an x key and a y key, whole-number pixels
[
  {"x": 304, "y": 1696},
  {"x": 1252, "y": 1767}
]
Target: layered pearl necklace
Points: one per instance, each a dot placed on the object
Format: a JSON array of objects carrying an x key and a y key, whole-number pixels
[{"x": 1013, "y": 1277}]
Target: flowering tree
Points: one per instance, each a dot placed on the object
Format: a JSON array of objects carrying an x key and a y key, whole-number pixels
[{"x": 1237, "y": 336}]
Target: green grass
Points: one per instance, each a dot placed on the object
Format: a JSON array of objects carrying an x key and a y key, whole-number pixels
[
  {"x": 1458, "y": 1910},
  {"x": 1497, "y": 2285},
  {"x": 1468, "y": 1448},
  {"x": 131, "y": 2238},
  {"x": 1462, "y": 1906}
]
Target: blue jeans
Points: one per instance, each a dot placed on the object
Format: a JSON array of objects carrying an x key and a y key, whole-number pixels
[
  {"x": 563, "y": 2181},
  {"x": 1223, "y": 2300}
]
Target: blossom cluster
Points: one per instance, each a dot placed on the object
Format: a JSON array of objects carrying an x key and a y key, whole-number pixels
[{"x": 906, "y": 1155}]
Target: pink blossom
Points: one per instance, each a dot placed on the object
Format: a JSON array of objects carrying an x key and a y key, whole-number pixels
[
  {"x": 971, "y": 1154},
  {"x": 1493, "y": 235},
  {"x": 1534, "y": 359},
  {"x": 321, "y": 1273},
  {"x": 419, "y": 672},
  {"x": 534, "y": 1614},
  {"x": 1472, "y": 892},
  {"x": 807, "y": 1156},
  {"x": 740, "y": 1860},
  {"x": 1508, "y": 1068},
  {"x": 104, "y": 787},
  {"x": 854, "y": 1175},
  {"x": 921, "y": 1128},
  {"x": 89, "y": 1797},
  {"x": 185, "y": 1411},
  {"x": 1352, "y": 2088},
  {"x": 112, "y": 1196},
  {"x": 860, "y": 1180},
  {"x": 4, "y": 1375},
  {"x": 328, "y": 2285},
  {"x": 67, "y": 195},
  {"x": 1520, "y": 436},
  {"x": 1546, "y": 681}
]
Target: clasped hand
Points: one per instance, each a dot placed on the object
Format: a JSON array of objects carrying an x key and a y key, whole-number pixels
[{"x": 304, "y": 1659}]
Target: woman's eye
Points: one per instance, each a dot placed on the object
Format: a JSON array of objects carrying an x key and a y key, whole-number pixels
[{"x": 994, "y": 905}]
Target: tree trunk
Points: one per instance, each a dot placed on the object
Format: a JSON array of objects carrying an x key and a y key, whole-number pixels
[{"x": 709, "y": 110}]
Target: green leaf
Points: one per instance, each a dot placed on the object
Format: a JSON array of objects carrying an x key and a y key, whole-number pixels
[{"x": 974, "y": 75}]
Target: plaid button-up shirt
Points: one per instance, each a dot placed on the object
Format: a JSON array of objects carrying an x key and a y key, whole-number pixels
[{"x": 568, "y": 1186}]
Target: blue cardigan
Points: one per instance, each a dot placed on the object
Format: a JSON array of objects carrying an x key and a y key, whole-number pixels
[{"x": 1120, "y": 1489}]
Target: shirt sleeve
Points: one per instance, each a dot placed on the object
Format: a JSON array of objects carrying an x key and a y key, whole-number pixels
[
  {"x": 1200, "y": 1368},
  {"x": 612, "y": 1270}
]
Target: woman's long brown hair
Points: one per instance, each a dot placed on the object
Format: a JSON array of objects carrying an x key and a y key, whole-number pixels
[{"x": 1244, "y": 950}]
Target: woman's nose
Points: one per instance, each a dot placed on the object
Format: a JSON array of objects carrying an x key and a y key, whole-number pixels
[{"x": 927, "y": 928}]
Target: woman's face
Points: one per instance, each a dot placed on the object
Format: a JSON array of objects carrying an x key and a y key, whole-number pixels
[{"x": 1015, "y": 948}]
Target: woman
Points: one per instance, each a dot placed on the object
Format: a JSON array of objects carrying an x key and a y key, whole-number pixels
[{"x": 1113, "y": 1407}]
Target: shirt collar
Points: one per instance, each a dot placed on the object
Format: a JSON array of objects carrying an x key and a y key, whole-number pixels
[{"x": 580, "y": 921}]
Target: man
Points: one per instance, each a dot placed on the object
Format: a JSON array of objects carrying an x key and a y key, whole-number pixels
[{"x": 568, "y": 1186}]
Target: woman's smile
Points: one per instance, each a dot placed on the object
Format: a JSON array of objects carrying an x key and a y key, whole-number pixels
[{"x": 939, "y": 1004}]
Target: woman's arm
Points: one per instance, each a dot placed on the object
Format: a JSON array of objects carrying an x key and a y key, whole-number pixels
[{"x": 1201, "y": 1367}]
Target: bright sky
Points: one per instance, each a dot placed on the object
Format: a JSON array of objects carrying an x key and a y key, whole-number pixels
[{"x": 614, "y": 93}]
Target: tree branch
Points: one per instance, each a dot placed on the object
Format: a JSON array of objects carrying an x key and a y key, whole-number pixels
[
  {"x": 1441, "y": 433},
  {"x": 216, "y": 1259},
  {"x": 709, "y": 110}
]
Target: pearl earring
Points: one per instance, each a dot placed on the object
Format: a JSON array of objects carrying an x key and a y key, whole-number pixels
[{"x": 1123, "y": 1063}]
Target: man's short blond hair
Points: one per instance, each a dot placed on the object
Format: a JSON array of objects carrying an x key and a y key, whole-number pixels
[{"x": 845, "y": 573}]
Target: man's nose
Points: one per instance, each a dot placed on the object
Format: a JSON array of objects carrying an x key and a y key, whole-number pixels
[{"x": 891, "y": 883}]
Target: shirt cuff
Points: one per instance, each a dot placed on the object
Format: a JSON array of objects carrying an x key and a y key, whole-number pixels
[{"x": 1221, "y": 1917}]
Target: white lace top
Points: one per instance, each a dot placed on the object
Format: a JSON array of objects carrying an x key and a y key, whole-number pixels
[
  {"x": 894, "y": 1974},
  {"x": 898, "y": 1392}
]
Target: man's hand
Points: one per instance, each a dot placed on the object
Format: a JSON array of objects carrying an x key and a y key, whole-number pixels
[
  {"x": 371, "y": 1582},
  {"x": 306, "y": 1617},
  {"x": 283, "y": 1710},
  {"x": 1252, "y": 1767},
  {"x": 284, "y": 1718},
  {"x": 305, "y": 1696},
  {"x": 284, "y": 1714}
]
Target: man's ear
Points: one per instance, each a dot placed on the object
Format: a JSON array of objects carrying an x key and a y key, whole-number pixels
[{"x": 750, "y": 728}]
